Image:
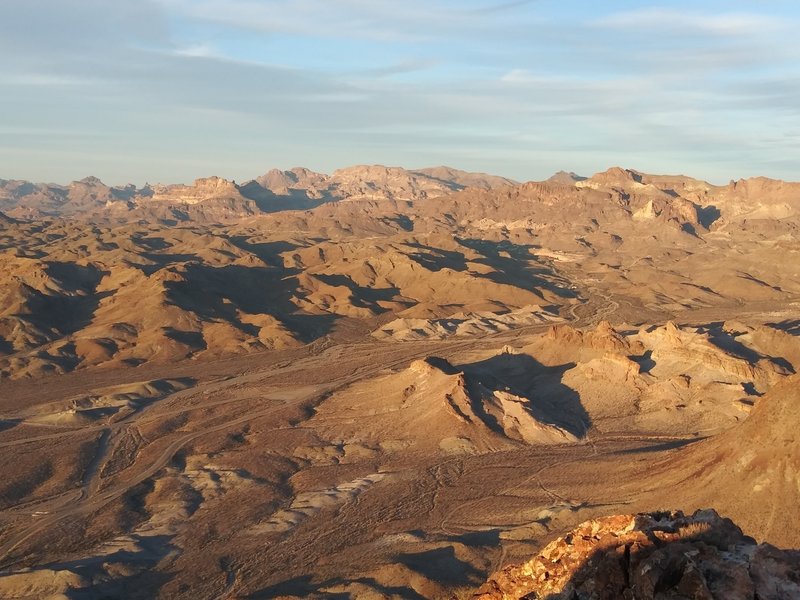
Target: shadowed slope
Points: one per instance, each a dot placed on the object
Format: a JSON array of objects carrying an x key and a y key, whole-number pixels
[{"x": 751, "y": 472}]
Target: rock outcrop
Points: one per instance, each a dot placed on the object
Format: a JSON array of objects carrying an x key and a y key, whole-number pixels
[
  {"x": 203, "y": 189},
  {"x": 604, "y": 339},
  {"x": 651, "y": 556}
]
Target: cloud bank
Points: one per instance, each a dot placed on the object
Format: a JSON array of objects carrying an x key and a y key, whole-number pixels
[{"x": 174, "y": 89}]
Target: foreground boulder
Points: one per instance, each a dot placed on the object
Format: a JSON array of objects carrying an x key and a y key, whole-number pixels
[{"x": 660, "y": 556}]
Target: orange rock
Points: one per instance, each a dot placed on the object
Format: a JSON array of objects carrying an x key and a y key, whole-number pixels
[{"x": 651, "y": 556}]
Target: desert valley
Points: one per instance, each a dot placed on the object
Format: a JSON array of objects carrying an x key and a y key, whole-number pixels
[{"x": 384, "y": 383}]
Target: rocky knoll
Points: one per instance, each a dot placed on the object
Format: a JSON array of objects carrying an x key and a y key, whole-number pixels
[{"x": 652, "y": 556}]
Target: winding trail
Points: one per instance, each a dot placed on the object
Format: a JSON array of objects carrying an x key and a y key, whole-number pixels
[{"x": 66, "y": 506}]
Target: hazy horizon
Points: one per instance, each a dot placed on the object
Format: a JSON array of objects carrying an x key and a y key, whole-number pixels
[{"x": 172, "y": 90}]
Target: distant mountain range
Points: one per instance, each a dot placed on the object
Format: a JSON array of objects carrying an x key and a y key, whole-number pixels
[{"x": 215, "y": 198}]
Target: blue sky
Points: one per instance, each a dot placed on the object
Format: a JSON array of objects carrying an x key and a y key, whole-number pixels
[{"x": 170, "y": 90}]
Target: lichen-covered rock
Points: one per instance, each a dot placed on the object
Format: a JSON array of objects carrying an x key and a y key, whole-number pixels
[{"x": 658, "y": 556}]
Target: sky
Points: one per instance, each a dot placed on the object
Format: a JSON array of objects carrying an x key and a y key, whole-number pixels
[{"x": 170, "y": 90}]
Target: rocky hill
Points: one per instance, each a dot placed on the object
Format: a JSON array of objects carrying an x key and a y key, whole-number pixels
[{"x": 649, "y": 557}]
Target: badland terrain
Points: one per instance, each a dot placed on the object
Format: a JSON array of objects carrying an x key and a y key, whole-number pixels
[{"x": 384, "y": 383}]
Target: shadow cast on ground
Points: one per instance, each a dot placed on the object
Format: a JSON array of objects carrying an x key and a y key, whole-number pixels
[
  {"x": 304, "y": 587},
  {"x": 549, "y": 400},
  {"x": 515, "y": 265}
]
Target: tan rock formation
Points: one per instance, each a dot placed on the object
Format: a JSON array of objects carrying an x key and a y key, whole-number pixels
[{"x": 203, "y": 189}]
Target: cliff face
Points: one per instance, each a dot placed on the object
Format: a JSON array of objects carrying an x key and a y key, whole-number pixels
[
  {"x": 203, "y": 189},
  {"x": 651, "y": 556}
]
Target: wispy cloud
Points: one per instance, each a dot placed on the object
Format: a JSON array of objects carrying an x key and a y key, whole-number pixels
[
  {"x": 347, "y": 18},
  {"x": 670, "y": 19},
  {"x": 198, "y": 51},
  {"x": 377, "y": 20},
  {"x": 500, "y": 6},
  {"x": 42, "y": 80},
  {"x": 403, "y": 67}
]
